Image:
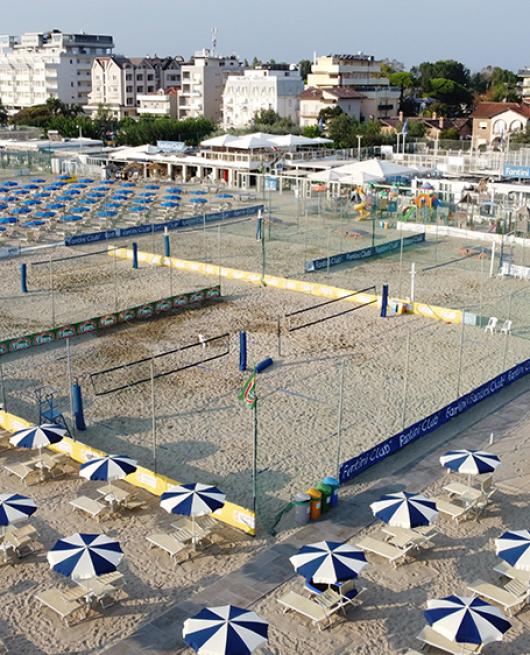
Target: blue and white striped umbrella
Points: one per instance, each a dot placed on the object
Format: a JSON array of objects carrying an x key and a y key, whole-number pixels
[
  {"x": 405, "y": 509},
  {"x": 226, "y": 630},
  {"x": 85, "y": 556},
  {"x": 466, "y": 620},
  {"x": 514, "y": 547},
  {"x": 470, "y": 462},
  {"x": 328, "y": 562},
  {"x": 39, "y": 436},
  {"x": 195, "y": 499},
  {"x": 110, "y": 467},
  {"x": 15, "y": 507}
]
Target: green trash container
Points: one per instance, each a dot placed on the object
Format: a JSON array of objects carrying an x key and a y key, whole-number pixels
[{"x": 326, "y": 492}]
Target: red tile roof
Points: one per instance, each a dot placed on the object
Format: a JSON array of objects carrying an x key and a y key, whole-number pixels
[{"x": 491, "y": 109}]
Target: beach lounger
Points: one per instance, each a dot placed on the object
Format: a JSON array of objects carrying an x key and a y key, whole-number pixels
[
  {"x": 317, "y": 614},
  {"x": 90, "y": 506},
  {"x": 480, "y": 506},
  {"x": 454, "y": 511},
  {"x": 166, "y": 542},
  {"x": 403, "y": 537},
  {"x": 432, "y": 638},
  {"x": 383, "y": 549},
  {"x": 54, "y": 600},
  {"x": 23, "y": 472},
  {"x": 512, "y": 573},
  {"x": 512, "y": 597},
  {"x": 19, "y": 544}
]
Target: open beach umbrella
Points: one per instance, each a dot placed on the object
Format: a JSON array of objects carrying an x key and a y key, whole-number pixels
[
  {"x": 42, "y": 194},
  {"x": 225, "y": 630},
  {"x": 199, "y": 201},
  {"x": 137, "y": 209},
  {"x": 114, "y": 204},
  {"x": 71, "y": 192},
  {"x": 108, "y": 181},
  {"x": 329, "y": 562},
  {"x": 128, "y": 184},
  {"x": 45, "y": 214},
  {"x": 174, "y": 189},
  {"x": 10, "y": 183},
  {"x": 199, "y": 192},
  {"x": 31, "y": 186},
  {"x": 56, "y": 205},
  {"x": 224, "y": 195},
  {"x": 109, "y": 467},
  {"x": 3, "y": 207},
  {"x": 106, "y": 214},
  {"x": 79, "y": 185},
  {"x": 8, "y": 220},
  {"x": 144, "y": 201},
  {"x": 38, "y": 436},
  {"x": 64, "y": 177},
  {"x": 32, "y": 201},
  {"x": 86, "y": 180},
  {"x": 90, "y": 201},
  {"x": 192, "y": 500},
  {"x": 21, "y": 192},
  {"x": 151, "y": 186},
  {"x": 71, "y": 218},
  {"x": 2, "y": 229},
  {"x": 513, "y": 547},
  {"x": 169, "y": 203},
  {"x": 38, "y": 180},
  {"x": 146, "y": 194},
  {"x": 470, "y": 462},
  {"x": 405, "y": 509},
  {"x": 95, "y": 194},
  {"x": 85, "y": 556},
  {"x": 81, "y": 209},
  {"x": 14, "y": 508},
  {"x": 22, "y": 210},
  {"x": 466, "y": 620}
]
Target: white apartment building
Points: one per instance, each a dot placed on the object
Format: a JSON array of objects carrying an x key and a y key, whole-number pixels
[
  {"x": 524, "y": 83},
  {"x": 361, "y": 73},
  {"x": 40, "y": 65},
  {"x": 202, "y": 85},
  {"x": 117, "y": 82},
  {"x": 275, "y": 88},
  {"x": 163, "y": 102}
]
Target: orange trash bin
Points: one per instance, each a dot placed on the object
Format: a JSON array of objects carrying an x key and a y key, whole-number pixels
[{"x": 316, "y": 503}]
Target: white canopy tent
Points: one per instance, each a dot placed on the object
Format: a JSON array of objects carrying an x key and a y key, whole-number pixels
[
  {"x": 378, "y": 168},
  {"x": 359, "y": 178},
  {"x": 219, "y": 141},
  {"x": 292, "y": 140},
  {"x": 329, "y": 175},
  {"x": 252, "y": 142}
]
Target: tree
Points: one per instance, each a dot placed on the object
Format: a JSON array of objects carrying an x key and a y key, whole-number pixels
[
  {"x": 304, "y": 66},
  {"x": 256, "y": 62},
  {"x": 449, "y": 92},
  {"x": 405, "y": 81},
  {"x": 448, "y": 69},
  {"x": 328, "y": 113},
  {"x": 3, "y": 114},
  {"x": 450, "y": 134},
  {"x": 265, "y": 117},
  {"x": 311, "y": 131}
]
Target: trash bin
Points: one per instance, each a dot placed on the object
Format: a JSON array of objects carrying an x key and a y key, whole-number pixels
[
  {"x": 326, "y": 492},
  {"x": 302, "y": 508},
  {"x": 334, "y": 484},
  {"x": 315, "y": 504}
]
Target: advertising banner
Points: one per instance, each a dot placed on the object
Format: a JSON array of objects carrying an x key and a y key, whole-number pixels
[
  {"x": 358, "y": 464},
  {"x": 364, "y": 253},
  {"x": 109, "y": 320}
]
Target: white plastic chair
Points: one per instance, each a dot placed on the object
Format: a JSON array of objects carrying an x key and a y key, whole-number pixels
[
  {"x": 506, "y": 328},
  {"x": 492, "y": 325}
]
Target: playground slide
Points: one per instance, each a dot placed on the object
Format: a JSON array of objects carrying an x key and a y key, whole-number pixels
[
  {"x": 409, "y": 214},
  {"x": 362, "y": 211}
]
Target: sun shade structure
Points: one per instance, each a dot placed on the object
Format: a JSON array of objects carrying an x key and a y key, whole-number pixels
[
  {"x": 219, "y": 141},
  {"x": 405, "y": 509},
  {"x": 378, "y": 167},
  {"x": 513, "y": 547},
  {"x": 85, "y": 556},
  {"x": 15, "y": 508},
  {"x": 329, "y": 562},
  {"x": 110, "y": 467},
  {"x": 226, "y": 630},
  {"x": 466, "y": 620},
  {"x": 470, "y": 462}
]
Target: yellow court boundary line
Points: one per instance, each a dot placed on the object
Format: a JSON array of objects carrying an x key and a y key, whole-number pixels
[
  {"x": 143, "y": 478},
  {"x": 445, "y": 314}
]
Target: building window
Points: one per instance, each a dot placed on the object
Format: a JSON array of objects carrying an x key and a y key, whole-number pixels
[{"x": 140, "y": 89}]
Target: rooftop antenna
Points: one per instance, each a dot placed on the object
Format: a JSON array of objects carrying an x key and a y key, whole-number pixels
[{"x": 215, "y": 32}]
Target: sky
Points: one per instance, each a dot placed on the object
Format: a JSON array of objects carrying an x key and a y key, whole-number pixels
[{"x": 411, "y": 31}]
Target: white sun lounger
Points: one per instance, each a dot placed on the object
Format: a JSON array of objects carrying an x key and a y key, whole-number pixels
[
  {"x": 507, "y": 571},
  {"x": 512, "y": 597},
  {"x": 66, "y": 609},
  {"x": 317, "y": 614},
  {"x": 383, "y": 549},
  {"x": 454, "y": 511},
  {"x": 90, "y": 506},
  {"x": 166, "y": 542},
  {"x": 23, "y": 472},
  {"x": 432, "y": 638}
]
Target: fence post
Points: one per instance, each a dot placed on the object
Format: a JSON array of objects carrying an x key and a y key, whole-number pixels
[
  {"x": 242, "y": 351},
  {"x": 460, "y": 355},
  {"x": 134, "y": 254},
  {"x": 153, "y": 410},
  {"x": 339, "y": 417},
  {"x": 384, "y": 301},
  {"x": 77, "y": 404},
  {"x": 279, "y": 335},
  {"x": 3, "y": 384},
  {"x": 167, "y": 245},
  {"x": 52, "y": 293},
  {"x": 406, "y": 381},
  {"x": 507, "y": 335},
  {"x": 24, "y": 278}
]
